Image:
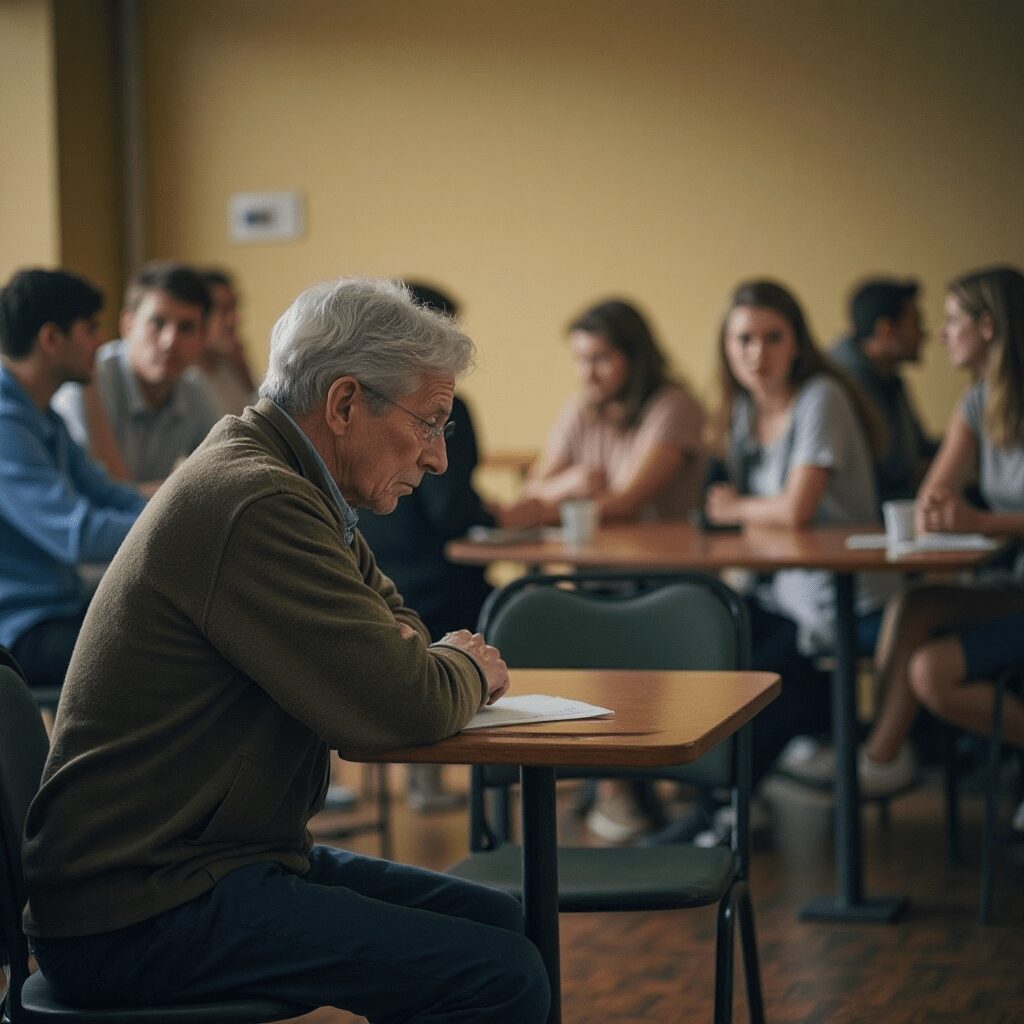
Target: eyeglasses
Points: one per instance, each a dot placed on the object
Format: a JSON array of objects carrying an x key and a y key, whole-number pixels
[{"x": 433, "y": 430}]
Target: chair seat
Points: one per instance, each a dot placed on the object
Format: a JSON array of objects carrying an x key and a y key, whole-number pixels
[
  {"x": 606, "y": 879},
  {"x": 40, "y": 1004}
]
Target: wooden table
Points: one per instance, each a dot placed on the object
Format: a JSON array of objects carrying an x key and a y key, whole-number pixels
[
  {"x": 654, "y": 546},
  {"x": 661, "y": 718}
]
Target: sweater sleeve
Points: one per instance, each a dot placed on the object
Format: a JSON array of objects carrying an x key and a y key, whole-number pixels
[{"x": 314, "y": 623}]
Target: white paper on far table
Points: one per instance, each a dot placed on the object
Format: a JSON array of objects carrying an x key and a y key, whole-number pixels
[{"x": 534, "y": 707}]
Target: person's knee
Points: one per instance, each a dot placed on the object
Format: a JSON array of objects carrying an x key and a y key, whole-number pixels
[
  {"x": 928, "y": 674},
  {"x": 520, "y": 982},
  {"x": 494, "y": 907}
]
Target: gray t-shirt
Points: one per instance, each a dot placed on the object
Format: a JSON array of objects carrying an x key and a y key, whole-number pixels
[
  {"x": 1000, "y": 472},
  {"x": 823, "y": 430},
  {"x": 151, "y": 440}
]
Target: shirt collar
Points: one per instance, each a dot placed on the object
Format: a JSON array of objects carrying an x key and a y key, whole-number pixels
[
  {"x": 45, "y": 422},
  {"x": 348, "y": 516}
]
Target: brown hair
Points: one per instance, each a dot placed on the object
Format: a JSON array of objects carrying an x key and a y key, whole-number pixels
[
  {"x": 809, "y": 361},
  {"x": 999, "y": 292},
  {"x": 625, "y": 329}
]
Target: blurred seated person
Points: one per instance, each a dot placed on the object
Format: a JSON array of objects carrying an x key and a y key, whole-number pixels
[
  {"x": 886, "y": 331},
  {"x": 58, "y": 509},
  {"x": 943, "y": 643},
  {"x": 222, "y": 365},
  {"x": 408, "y": 544},
  {"x": 143, "y": 414},
  {"x": 797, "y": 440},
  {"x": 631, "y": 439}
]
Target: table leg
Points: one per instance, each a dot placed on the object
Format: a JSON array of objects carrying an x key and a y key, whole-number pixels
[
  {"x": 849, "y": 903},
  {"x": 540, "y": 874}
]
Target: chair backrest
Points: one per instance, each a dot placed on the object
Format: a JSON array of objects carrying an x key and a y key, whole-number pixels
[
  {"x": 626, "y": 621},
  {"x": 23, "y": 749}
]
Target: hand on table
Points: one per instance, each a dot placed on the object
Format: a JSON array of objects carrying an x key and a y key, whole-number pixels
[
  {"x": 488, "y": 658},
  {"x": 721, "y": 504},
  {"x": 941, "y": 510}
]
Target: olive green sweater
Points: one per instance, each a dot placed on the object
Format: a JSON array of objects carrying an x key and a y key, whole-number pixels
[{"x": 234, "y": 639}]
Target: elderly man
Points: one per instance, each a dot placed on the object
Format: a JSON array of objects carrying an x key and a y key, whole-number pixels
[{"x": 242, "y": 631}]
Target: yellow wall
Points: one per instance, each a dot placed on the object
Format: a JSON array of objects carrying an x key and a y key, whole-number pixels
[
  {"x": 536, "y": 156},
  {"x": 29, "y": 214},
  {"x": 88, "y": 127}
]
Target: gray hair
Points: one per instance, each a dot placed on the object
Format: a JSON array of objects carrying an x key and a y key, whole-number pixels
[{"x": 369, "y": 329}]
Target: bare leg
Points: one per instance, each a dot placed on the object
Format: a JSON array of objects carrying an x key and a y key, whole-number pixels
[
  {"x": 911, "y": 619},
  {"x": 937, "y": 678}
]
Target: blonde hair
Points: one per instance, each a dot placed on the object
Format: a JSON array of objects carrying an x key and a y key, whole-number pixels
[{"x": 998, "y": 292}]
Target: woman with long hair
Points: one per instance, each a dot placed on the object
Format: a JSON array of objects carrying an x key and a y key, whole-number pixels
[
  {"x": 943, "y": 644},
  {"x": 631, "y": 438},
  {"x": 795, "y": 438}
]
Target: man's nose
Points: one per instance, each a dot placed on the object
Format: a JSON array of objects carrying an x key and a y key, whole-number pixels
[{"x": 435, "y": 457}]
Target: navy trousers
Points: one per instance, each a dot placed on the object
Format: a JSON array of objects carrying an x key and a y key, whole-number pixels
[{"x": 384, "y": 940}]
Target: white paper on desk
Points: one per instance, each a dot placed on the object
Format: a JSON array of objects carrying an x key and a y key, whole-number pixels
[
  {"x": 533, "y": 707},
  {"x": 926, "y": 542},
  {"x": 947, "y": 542}
]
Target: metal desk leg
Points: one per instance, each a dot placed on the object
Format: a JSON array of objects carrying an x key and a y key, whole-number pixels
[
  {"x": 540, "y": 874},
  {"x": 849, "y": 903}
]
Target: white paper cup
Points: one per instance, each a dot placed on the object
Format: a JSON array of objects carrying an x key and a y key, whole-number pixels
[
  {"x": 579, "y": 521},
  {"x": 899, "y": 522}
]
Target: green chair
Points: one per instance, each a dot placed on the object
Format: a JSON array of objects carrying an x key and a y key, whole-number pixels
[
  {"x": 29, "y": 999},
  {"x": 629, "y": 621}
]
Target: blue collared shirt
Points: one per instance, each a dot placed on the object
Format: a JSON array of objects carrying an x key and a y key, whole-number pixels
[
  {"x": 57, "y": 509},
  {"x": 348, "y": 515},
  {"x": 151, "y": 440}
]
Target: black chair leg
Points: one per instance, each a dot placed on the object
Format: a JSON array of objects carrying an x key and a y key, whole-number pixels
[
  {"x": 954, "y": 848},
  {"x": 724, "y": 946},
  {"x": 989, "y": 838},
  {"x": 384, "y": 810},
  {"x": 751, "y": 964}
]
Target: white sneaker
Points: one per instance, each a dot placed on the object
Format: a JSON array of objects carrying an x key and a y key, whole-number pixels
[
  {"x": 876, "y": 778},
  {"x": 1018, "y": 819},
  {"x": 811, "y": 766},
  {"x": 616, "y": 818},
  {"x": 886, "y": 778},
  {"x": 724, "y": 821},
  {"x": 797, "y": 752}
]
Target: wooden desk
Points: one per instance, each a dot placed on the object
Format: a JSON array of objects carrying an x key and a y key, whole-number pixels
[
  {"x": 661, "y": 718},
  {"x": 653, "y": 546}
]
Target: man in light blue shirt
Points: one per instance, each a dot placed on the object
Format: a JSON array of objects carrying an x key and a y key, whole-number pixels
[
  {"x": 57, "y": 508},
  {"x": 145, "y": 411}
]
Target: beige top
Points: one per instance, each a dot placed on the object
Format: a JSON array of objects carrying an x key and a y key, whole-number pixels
[{"x": 671, "y": 416}]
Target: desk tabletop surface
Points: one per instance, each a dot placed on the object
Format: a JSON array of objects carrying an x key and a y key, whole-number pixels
[
  {"x": 661, "y": 718},
  {"x": 679, "y": 545}
]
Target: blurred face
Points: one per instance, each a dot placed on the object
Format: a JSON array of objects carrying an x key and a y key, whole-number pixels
[
  {"x": 222, "y": 323},
  {"x": 385, "y": 457},
  {"x": 165, "y": 337},
  {"x": 760, "y": 348},
  {"x": 602, "y": 368},
  {"x": 908, "y": 333},
  {"x": 76, "y": 349},
  {"x": 966, "y": 338}
]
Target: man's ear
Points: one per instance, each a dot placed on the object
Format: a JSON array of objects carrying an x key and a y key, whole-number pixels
[
  {"x": 49, "y": 338},
  {"x": 338, "y": 408}
]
